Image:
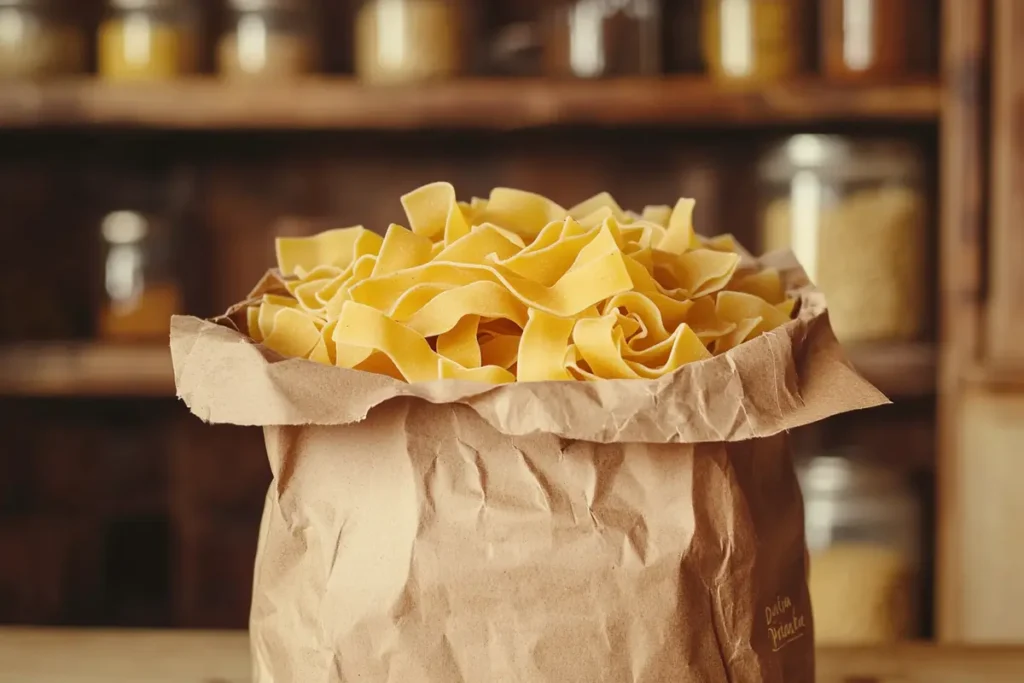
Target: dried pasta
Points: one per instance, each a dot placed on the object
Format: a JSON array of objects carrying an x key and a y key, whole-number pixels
[{"x": 516, "y": 288}]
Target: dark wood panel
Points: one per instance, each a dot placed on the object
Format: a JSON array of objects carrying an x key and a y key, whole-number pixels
[
  {"x": 963, "y": 186},
  {"x": 1005, "y": 274}
]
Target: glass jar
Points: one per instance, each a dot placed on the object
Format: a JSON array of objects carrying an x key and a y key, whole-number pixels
[
  {"x": 754, "y": 40},
  {"x": 853, "y": 212},
  {"x": 268, "y": 40},
  {"x": 403, "y": 41},
  {"x": 148, "y": 40},
  {"x": 140, "y": 290},
  {"x": 865, "y": 39},
  {"x": 594, "y": 38},
  {"x": 864, "y": 536},
  {"x": 39, "y": 39}
]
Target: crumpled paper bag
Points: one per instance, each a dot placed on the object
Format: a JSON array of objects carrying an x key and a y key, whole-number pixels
[{"x": 609, "y": 532}]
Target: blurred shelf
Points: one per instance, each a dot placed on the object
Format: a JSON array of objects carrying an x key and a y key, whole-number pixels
[
  {"x": 489, "y": 104},
  {"x": 898, "y": 370},
  {"x": 85, "y": 370},
  {"x": 996, "y": 378},
  {"x": 907, "y": 370}
]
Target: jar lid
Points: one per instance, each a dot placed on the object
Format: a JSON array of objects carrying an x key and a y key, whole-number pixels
[
  {"x": 842, "y": 158},
  {"x": 840, "y": 473},
  {"x": 124, "y": 227}
]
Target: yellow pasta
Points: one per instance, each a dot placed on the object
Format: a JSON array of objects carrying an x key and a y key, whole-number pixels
[
  {"x": 516, "y": 288},
  {"x": 460, "y": 344},
  {"x": 293, "y": 333},
  {"x": 433, "y": 210},
  {"x": 340, "y": 247},
  {"x": 401, "y": 249}
]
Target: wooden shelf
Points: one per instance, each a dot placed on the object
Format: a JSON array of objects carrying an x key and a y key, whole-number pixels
[
  {"x": 85, "y": 370},
  {"x": 178, "y": 656},
  {"x": 489, "y": 104},
  {"x": 898, "y": 370}
]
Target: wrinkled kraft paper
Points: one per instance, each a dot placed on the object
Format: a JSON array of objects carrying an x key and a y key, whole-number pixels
[{"x": 450, "y": 532}]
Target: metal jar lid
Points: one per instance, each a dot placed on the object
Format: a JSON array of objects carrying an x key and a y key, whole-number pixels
[{"x": 839, "y": 474}]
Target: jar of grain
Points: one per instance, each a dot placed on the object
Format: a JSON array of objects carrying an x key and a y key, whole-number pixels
[
  {"x": 866, "y": 39},
  {"x": 754, "y": 41},
  {"x": 141, "y": 292},
  {"x": 268, "y": 40},
  {"x": 148, "y": 40},
  {"x": 853, "y": 212},
  {"x": 403, "y": 41},
  {"x": 39, "y": 39},
  {"x": 864, "y": 535},
  {"x": 596, "y": 38}
]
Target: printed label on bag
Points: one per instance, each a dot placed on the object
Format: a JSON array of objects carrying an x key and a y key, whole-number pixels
[{"x": 784, "y": 623}]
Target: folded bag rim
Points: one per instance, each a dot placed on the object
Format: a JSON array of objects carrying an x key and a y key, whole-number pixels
[{"x": 789, "y": 377}]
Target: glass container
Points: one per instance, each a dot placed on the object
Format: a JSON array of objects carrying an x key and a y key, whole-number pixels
[
  {"x": 141, "y": 292},
  {"x": 595, "y": 38},
  {"x": 866, "y": 39},
  {"x": 148, "y": 40},
  {"x": 864, "y": 532},
  {"x": 853, "y": 212},
  {"x": 39, "y": 39},
  {"x": 754, "y": 40},
  {"x": 403, "y": 41},
  {"x": 268, "y": 40}
]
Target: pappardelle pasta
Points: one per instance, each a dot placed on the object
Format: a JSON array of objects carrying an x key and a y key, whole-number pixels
[{"x": 516, "y": 288}]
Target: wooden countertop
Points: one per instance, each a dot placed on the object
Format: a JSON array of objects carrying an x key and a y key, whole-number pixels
[{"x": 95, "y": 656}]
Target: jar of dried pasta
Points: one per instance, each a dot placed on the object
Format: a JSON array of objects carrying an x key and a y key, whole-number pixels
[
  {"x": 403, "y": 41},
  {"x": 268, "y": 40},
  {"x": 853, "y": 212},
  {"x": 864, "y": 535},
  {"x": 148, "y": 40},
  {"x": 599, "y": 38},
  {"x": 755, "y": 41},
  {"x": 39, "y": 39},
  {"x": 868, "y": 39},
  {"x": 140, "y": 290}
]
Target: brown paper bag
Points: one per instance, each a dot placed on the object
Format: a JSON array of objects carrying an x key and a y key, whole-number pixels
[{"x": 610, "y": 532}]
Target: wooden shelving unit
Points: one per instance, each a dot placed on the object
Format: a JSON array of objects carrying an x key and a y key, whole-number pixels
[
  {"x": 298, "y": 150},
  {"x": 493, "y": 104},
  {"x": 85, "y": 370}
]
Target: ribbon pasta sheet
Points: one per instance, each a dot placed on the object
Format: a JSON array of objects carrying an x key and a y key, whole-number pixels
[{"x": 517, "y": 288}]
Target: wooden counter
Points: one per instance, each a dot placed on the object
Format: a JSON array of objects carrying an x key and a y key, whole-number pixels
[{"x": 83, "y": 656}]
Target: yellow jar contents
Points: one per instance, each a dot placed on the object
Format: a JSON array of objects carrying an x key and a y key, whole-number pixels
[
  {"x": 865, "y": 251},
  {"x": 137, "y": 47},
  {"x": 141, "y": 296},
  {"x": 407, "y": 40},
  {"x": 146, "y": 317},
  {"x": 255, "y": 51},
  {"x": 752, "y": 40},
  {"x": 862, "y": 594}
]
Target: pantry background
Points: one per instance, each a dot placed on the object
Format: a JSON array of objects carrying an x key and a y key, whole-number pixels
[{"x": 149, "y": 155}]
